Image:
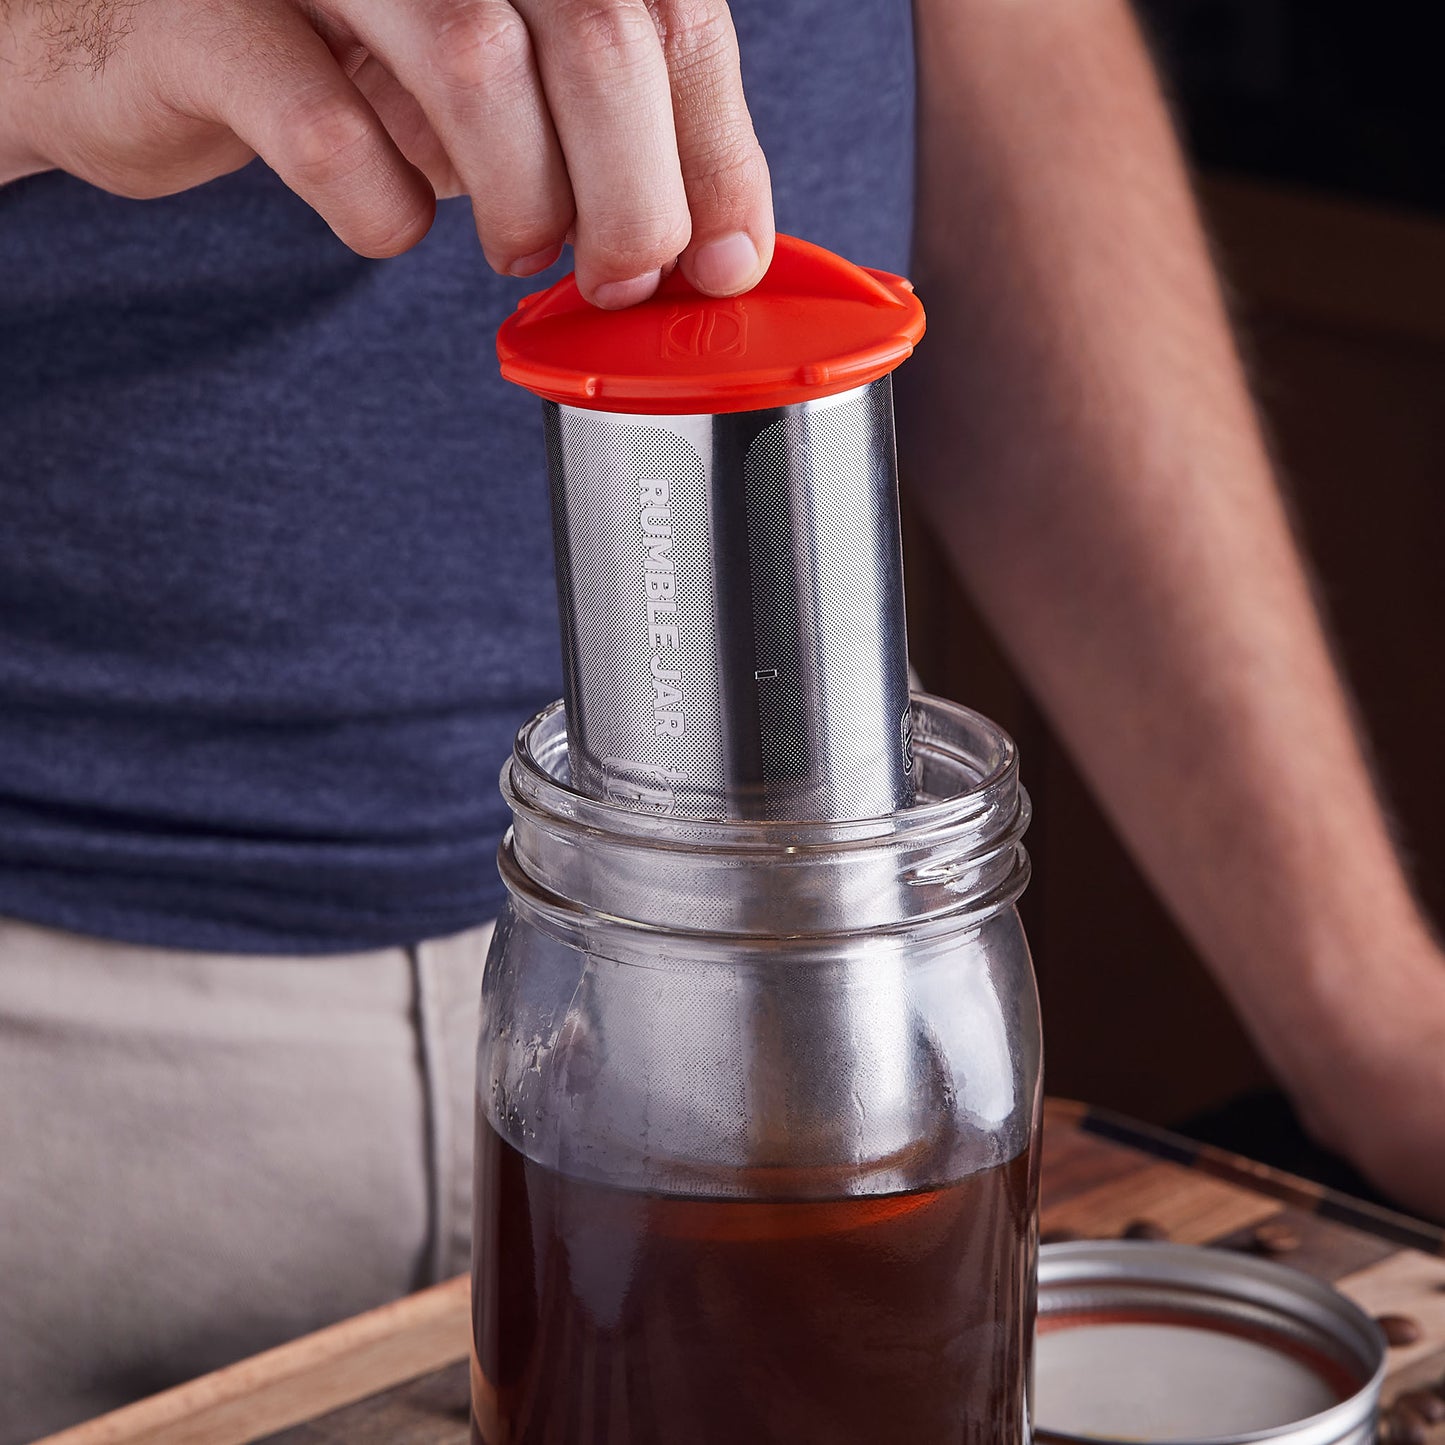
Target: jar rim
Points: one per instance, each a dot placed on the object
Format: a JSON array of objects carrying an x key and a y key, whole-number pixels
[
  {"x": 956, "y": 855},
  {"x": 961, "y": 736}
]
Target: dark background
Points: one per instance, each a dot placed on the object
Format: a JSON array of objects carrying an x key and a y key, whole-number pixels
[
  {"x": 1343, "y": 98},
  {"x": 1316, "y": 132}
]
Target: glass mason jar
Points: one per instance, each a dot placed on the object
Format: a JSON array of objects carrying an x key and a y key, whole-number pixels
[{"x": 757, "y": 1114}]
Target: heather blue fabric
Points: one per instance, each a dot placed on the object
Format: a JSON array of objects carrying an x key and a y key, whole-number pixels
[{"x": 275, "y": 568}]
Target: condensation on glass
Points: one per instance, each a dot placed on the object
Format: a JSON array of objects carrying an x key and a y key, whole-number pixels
[{"x": 757, "y": 1105}]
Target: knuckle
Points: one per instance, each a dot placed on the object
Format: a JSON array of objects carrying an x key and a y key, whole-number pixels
[
  {"x": 506, "y": 239},
  {"x": 733, "y": 169},
  {"x": 604, "y": 34},
  {"x": 695, "y": 32},
  {"x": 325, "y": 137},
  {"x": 522, "y": 239},
  {"x": 628, "y": 245},
  {"x": 396, "y": 233},
  {"x": 479, "y": 43}
]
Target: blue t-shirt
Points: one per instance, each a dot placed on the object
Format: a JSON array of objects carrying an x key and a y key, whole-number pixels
[{"x": 275, "y": 564}]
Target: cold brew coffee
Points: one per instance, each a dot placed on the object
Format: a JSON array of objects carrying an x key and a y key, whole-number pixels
[{"x": 609, "y": 1317}]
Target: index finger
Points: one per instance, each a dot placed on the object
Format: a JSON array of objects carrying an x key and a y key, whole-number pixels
[{"x": 285, "y": 97}]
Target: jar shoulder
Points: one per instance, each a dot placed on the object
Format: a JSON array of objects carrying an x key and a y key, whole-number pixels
[{"x": 868, "y": 1064}]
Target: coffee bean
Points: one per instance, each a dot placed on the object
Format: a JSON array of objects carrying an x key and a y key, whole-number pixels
[
  {"x": 1059, "y": 1236},
  {"x": 1399, "y": 1330},
  {"x": 1404, "y": 1427},
  {"x": 1145, "y": 1229},
  {"x": 1274, "y": 1238},
  {"x": 1426, "y": 1404}
]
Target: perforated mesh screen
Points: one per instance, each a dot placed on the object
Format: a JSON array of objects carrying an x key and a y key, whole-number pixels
[{"x": 789, "y": 670}]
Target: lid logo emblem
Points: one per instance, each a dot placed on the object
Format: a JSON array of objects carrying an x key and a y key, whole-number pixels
[{"x": 720, "y": 328}]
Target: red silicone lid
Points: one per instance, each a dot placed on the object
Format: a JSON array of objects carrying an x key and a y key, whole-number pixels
[{"x": 814, "y": 325}]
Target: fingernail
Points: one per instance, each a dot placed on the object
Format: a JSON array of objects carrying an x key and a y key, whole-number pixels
[
  {"x": 537, "y": 261},
  {"x": 614, "y": 295},
  {"x": 725, "y": 266}
]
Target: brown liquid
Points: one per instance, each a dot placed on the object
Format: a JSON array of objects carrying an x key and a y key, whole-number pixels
[{"x": 605, "y": 1317}]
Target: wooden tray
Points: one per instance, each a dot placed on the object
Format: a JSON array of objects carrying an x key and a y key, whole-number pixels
[{"x": 399, "y": 1374}]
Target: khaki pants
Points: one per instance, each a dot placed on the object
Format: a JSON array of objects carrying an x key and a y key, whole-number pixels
[{"x": 203, "y": 1155}]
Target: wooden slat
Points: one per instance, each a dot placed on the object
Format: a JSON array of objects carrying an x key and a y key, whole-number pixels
[
  {"x": 1193, "y": 1209},
  {"x": 1411, "y": 1284},
  {"x": 1065, "y": 1113},
  {"x": 1325, "y": 1249},
  {"x": 1147, "y": 1139},
  {"x": 297, "y": 1381},
  {"x": 1075, "y": 1162},
  {"x": 434, "y": 1410}
]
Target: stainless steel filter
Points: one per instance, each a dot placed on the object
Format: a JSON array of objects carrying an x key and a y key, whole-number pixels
[{"x": 731, "y": 591}]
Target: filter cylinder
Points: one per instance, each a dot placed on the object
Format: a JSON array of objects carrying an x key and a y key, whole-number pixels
[
  {"x": 731, "y": 589},
  {"x": 729, "y": 567}
]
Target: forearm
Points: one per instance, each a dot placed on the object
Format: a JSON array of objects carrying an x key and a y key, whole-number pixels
[{"x": 1078, "y": 427}]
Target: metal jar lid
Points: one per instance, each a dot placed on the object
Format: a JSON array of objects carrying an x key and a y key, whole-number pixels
[{"x": 1169, "y": 1344}]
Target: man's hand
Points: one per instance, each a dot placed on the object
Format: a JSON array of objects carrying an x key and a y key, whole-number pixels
[{"x": 618, "y": 124}]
